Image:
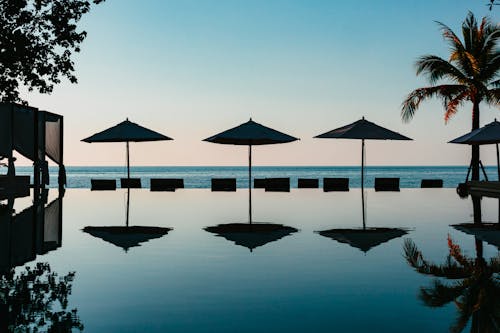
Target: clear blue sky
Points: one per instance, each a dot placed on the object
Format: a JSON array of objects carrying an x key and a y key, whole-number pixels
[{"x": 190, "y": 69}]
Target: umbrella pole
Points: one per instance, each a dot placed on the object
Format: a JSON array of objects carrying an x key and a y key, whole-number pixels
[
  {"x": 498, "y": 163},
  {"x": 128, "y": 205},
  {"x": 128, "y": 161},
  {"x": 250, "y": 184},
  {"x": 498, "y": 172},
  {"x": 363, "y": 181}
]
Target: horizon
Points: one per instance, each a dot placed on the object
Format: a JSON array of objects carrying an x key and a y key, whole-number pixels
[{"x": 190, "y": 69}]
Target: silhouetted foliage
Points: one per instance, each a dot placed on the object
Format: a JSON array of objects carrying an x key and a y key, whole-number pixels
[
  {"x": 475, "y": 289},
  {"x": 471, "y": 74},
  {"x": 37, "y": 41},
  {"x": 491, "y": 4},
  {"x": 36, "y": 300}
]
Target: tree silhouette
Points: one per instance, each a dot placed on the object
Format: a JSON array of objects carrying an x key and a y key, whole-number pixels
[
  {"x": 475, "y": 289},
  {"x": 471, "y": 74},
  {"x": 37, "y": 41},
  {"x": 36, "y": 300}
]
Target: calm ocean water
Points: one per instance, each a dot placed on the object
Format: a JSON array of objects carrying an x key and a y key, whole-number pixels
[{"x": 199, "y": 177}]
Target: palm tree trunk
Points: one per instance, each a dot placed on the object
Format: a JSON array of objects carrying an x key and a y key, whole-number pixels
[{"x": 475, "y": 148}]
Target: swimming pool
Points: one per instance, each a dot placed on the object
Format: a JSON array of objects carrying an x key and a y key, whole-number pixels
[{"x": 188, "y": 279}]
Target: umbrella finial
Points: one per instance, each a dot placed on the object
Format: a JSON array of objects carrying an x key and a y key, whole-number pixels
[
  {"x": 363, "y": 118},
  {"x": 250, "y": 118}
]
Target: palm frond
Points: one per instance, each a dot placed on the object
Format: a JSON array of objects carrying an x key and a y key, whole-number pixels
[
  {"x": 492, "y": 97},
  {"x": 413, "y": 100},
  {"x": 440, "y": 294},
  {"x": 469, "y": 31},
  {"x": 490, "y": 69},
  {"x": 436, "y": 68},
  {"x": 450, "y": 269},
  {"x": 453, "y": 105},
  {"x": 450, "y": 36},
  {"x": 456, "y": 253}
]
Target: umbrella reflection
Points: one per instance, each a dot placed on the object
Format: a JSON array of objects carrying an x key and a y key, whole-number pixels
[
  {"x": 364, "y": 238},
  {"x": 484, "y": 231},
  {"x": 126, "y": 236},
  {"x": 252, "y": 235}
]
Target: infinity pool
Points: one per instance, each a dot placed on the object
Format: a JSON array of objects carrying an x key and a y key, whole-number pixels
[{"x": 195, "y": 266}]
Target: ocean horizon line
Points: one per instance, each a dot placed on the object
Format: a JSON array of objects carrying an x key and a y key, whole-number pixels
[{"x": 268, "y": 166}]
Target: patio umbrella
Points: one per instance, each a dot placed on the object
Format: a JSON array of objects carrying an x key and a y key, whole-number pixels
[
  {"x": 250, "y": 134},
  {"x": 251, "y": 235},
  {"x": 126, "y": 236},
  {"x": 488, "y": 134},
  {"x": 362, "y": 130},
  {"x": 126, "y": 131}
]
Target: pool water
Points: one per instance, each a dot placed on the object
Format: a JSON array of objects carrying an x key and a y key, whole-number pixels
[{"x": 290, "y": 279}]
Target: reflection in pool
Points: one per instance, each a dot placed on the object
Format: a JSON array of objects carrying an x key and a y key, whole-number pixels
[
  {"x": 191, "y": 281},
  {"x": 33, "y": 299},
  {"x": 126, "y": 236},
  {"x": 471, "y": 283},
  {"x": 251, "y": 235}
]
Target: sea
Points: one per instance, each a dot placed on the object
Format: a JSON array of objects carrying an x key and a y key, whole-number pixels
[{"x": 199, "y": 176}]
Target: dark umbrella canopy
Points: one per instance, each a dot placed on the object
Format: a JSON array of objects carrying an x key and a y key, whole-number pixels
[
  {"x": 363, "y": 239},
  {"x": 488, "y": 134},
  {"x": 126, "y": 131},
  {"x": 362, "y": 130},
  {"x": 251, "y": 235},
  {"x": 251, "y": 134}
]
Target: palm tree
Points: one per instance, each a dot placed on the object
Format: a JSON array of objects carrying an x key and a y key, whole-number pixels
[
  {"x": 472, "y": 74},
  {"x": 475, "y": 289}
]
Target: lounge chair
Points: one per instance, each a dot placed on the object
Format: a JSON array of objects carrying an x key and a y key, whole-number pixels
[
  {"x": 308, "y": 183},
  {"x": 277, "y": 184},
  {"x": 386, "y": 184},
  {"x": 103, "y": 184},
  {"x": 259, "y": 183},
  {"x": 335, "y": 184},
  {"x": 224, "y": 184},
  {"x": 130, "y": 182},
  {"x": 431, "y": 183},
  {"x": 166, "y": 184}
]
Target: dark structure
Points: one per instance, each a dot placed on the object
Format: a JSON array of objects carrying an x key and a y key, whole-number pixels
[{"x": 34, "y": 134}]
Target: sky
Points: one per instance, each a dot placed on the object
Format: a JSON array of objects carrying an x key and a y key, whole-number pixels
[{"x": 193, "y": 68}]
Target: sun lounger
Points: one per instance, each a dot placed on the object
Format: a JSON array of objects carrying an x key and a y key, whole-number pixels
[
  {"x": 335, "y": 184},
  {"x": 277, "y": 185},
  {"x": 103, "y": 184},
  {"x": 224, "y": 184},
  {"x": 259, "y": 183},
  {"x": 166, "y": 184},
  {"x": 308, "y": 183},
  {"x": 130, "y": 182},
  {"x": 431, "y": 183},
  {"x": 386, "y": 184}
]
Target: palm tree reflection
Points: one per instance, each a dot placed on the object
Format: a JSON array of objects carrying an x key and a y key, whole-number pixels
[
  {"x": 475, "y": 291},
  {"x": 474, "y": 285}
]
